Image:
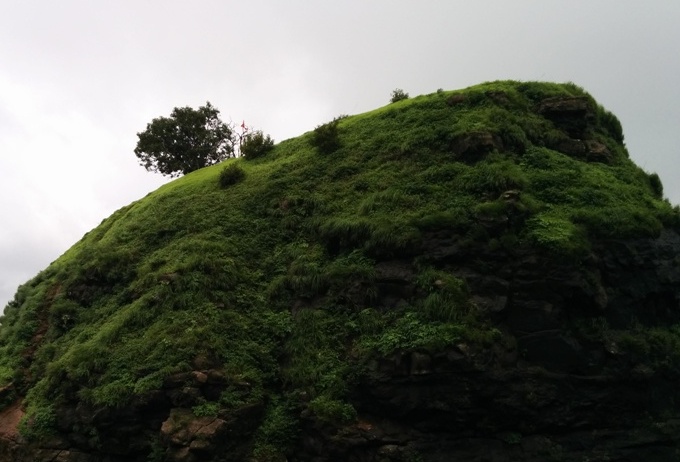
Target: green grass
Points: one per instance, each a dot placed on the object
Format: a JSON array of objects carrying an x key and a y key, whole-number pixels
[{"x": 268, "y": 269}]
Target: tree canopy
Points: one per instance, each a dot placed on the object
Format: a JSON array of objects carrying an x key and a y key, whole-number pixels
[{"x": 187, "y": 140}]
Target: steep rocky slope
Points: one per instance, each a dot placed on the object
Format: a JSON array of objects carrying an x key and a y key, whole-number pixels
[{"x": 471, "y": 275}]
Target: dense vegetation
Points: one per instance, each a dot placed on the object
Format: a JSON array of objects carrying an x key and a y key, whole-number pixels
[
  {"x": 186, "y": 141},
  {"x": 264, "y": 266}
]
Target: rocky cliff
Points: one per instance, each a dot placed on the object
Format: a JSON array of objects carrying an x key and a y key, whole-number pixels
[{"x": 478, "y": 275}]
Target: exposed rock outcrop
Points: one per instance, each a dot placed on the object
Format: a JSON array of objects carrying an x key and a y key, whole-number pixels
[
  {"x": 571, "y": 114},
  {"x": 474, "y": 146},
  {"x": 544, "y": 391}
]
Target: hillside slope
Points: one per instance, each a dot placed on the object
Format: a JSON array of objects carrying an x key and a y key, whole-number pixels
[{"x": 468, "y": 275}]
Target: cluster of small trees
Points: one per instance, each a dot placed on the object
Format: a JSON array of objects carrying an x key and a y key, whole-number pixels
[{"x": 194, "y": 138}]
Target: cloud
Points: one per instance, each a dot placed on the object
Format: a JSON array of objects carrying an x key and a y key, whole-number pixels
[{"x": 80, "y": 79}]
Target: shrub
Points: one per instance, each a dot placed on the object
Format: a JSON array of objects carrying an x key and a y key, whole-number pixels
[
  {"x": 626, "y": 221},
  {"x": 332, "y": 410},
  {"x": 657, "y": 186},
  {"x": 557, "y": 234},
  {"x": 230, "y": 175},
  {"x": 206, "y": 409},
  {"x": 38, "y": 423},
  {"x": 610, "y": 123},
  {"x": 410, "y": 332},
  {"x": 493, "y": 177},
  {"x": 256, "y": 145},
  {"x": 397, "y": 95},
  {"x": 448, "y": 298},
  {"x": 326, "y": 137},
  {"x": 276, "y": 432}
]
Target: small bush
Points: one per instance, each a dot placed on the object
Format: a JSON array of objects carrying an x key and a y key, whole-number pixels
[
  {"x": 206, "y": 409},
  {"x": 277, "y": 431},
  {"x": 38, "y": 423},
  {"x": 448, "y": 298},
  {"x": 493, "y": 177},
  {"x": 557, "y": 234},
  {"x": 230, "y": 175},
  {"x": 326, "y": 137},
  {"x": 618, "y": 221},
  {"x": 610, "y": 123},
  {"x": 397, "y": 95},
  {"x": 410, "y": 332},
  {"x": 344, "y": 233},
  {"x": 332, "y": 410},
  {"x": 256, "y": 145},
  {"x": 657, "y": 186}
]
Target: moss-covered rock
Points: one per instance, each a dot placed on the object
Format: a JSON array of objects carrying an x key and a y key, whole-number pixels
[{"x": 473, "y": 274}]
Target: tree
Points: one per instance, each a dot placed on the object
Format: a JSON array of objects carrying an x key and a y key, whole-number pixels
[
  {"x": 397, "y": 95},
  {"x": 255, "y": 144},
  {"x": 187, "y": 140}
]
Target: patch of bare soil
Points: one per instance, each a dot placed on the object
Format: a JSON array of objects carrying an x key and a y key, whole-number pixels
[{"x": 9, "y": 421}]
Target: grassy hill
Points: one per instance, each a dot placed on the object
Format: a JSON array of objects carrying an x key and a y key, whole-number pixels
[{"x": 285, "y": 273}]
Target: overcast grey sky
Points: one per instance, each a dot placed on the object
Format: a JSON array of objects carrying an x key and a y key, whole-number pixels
[{"x": 79, "y": 79}]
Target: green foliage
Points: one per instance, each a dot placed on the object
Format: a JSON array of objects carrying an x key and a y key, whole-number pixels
[
  {"x": 595, "y": 199},
  {"x": 276, "y": 283},
  {"x": 345, "y": 233},
  {"x": 494, "y": 176},
  {"x": 610, "y": 123},
  {"x": 440, "y": 319},
  {"x": 511, "y": 437},
  {"x": 38, "y": 423},
  {"x": 557, "y": 234},
  {"x": 658, "y": 348},
  {"x": 314, "y": 347},
  {"x": 332, "y": 411},
  {"x": 656, "y": 185},
  {"x": 398, "y": 95},
  {"x": 64, "y": 314},
  {"x": 187, "y": 140},
  {"x": 277, "y": 432},
  {"x": 256, "y": 145},
  {"x": 206, "y": 409},
  {"x": 231, "y": 174},
  {"x": 621, "y": 221},
  {"x": 411, "y": 332},
  {"x": 157, "y": 453},
  {"x": 326, "y": 137},
  {"x": 448, "y": 296},
  {"x": 538, "y": 91}
]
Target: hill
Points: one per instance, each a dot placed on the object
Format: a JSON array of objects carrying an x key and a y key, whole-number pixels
[{"x": 480, "y": 274}]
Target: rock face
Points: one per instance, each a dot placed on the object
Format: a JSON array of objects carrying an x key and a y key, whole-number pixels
[
  {"x": 544, "y": 392},
  {"x": 571, "y": 114}
]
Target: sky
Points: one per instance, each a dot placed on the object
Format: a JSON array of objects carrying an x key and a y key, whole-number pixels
[{"x": 79, "y": 79}]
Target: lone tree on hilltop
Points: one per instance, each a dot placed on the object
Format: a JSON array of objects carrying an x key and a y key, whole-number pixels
[
  {"x": 187, "y": 140},
  {"x": 397, "y": 95}
]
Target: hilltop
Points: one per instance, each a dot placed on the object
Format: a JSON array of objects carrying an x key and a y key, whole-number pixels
[{"x": 460, "y": 275}]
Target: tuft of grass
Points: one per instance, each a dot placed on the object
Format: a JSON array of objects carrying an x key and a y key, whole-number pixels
[
  {"x": 231, "y": 174},
  {"x": 557, "y": 235},
  {"x": 277, "y": 433}
]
